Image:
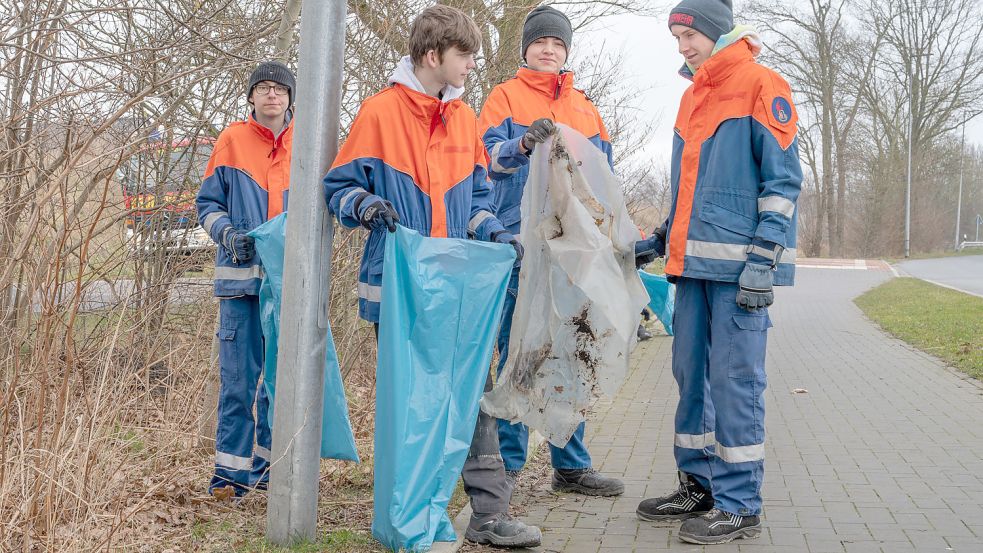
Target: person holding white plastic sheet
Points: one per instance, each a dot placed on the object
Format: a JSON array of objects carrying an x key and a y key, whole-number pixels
[{"x": 519, "y": 114}]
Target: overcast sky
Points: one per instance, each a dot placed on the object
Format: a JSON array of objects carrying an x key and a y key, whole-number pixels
[{"x": 651, "y": 51}]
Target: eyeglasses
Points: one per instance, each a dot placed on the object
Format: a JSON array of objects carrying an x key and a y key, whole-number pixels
[{"x": 278, "y": 88}]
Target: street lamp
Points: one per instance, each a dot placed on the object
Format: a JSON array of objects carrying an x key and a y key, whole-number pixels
[
  {"x": 959, "y": 200},
  {"x": 911, "y": 132}
]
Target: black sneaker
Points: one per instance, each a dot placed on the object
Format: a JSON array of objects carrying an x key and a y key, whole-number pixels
[
  {"x": 587, "y": 482},
  {"x": 688, "y": 501},
  {"x": 501, "y": 530},
  {"x": 719, "y": 527}
]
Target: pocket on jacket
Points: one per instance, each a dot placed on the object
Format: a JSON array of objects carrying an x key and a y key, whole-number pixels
[
  {"x": 734, "y": 212},
  {"x": 748, "y": 343}
]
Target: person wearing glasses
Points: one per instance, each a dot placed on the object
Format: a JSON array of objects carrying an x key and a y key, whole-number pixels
[{"x": 245, "y": 185}]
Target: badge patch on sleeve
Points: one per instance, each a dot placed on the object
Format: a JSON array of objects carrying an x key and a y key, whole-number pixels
[{"x": 781, "y": 110}]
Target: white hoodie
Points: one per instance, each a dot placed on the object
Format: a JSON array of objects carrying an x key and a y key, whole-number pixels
[{"x": 405, "y": 76}]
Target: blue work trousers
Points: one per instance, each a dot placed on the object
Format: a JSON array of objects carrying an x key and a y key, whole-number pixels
[
  {"x": 242, "y": 440},
  {"x": 718, "y": 360}
]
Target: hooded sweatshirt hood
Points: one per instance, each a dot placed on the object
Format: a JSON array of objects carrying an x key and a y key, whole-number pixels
[
  {"x": 739, "y": 32},
  {"x": 404, "y": 75}
]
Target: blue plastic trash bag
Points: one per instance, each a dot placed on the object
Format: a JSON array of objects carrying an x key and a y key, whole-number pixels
[
  {"x": 337, "y": 439},
  {"x": 662, "y": 298},
  {"x": 442, "y": 302}
]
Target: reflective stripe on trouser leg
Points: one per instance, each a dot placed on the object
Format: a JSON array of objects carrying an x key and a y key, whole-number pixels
[
  {"x": 240, "y": 365},
  {"x": 737, "y": 383},
  {"x": 484, "y": 471},
  {"x": 694, "y": 424}
]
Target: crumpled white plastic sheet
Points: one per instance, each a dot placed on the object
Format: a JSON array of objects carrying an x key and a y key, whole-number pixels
[{"x": 580, "y": 297}]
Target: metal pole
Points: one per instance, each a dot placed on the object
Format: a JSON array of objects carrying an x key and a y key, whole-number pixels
[
  {"x": 292, "y": 506},
  {"x": 911, "y": 131},
  {"x": 959, "y": 201}
]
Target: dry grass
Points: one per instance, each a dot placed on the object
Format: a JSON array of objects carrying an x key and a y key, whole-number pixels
[{"x": 100, "y": 412}]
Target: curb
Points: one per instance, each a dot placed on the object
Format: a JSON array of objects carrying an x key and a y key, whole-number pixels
[{"x": 464, "y": 517}]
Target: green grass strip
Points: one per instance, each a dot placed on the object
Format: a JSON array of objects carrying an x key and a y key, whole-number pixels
[{"x": 936, "y": 320}]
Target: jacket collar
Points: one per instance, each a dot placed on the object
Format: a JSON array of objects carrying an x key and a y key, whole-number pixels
[
  {"x": 275, "y": 142},
  {"x": 721, "y": 65},
  {"x": 423, "y": 106},
  {"x": 547, "y": 83}
]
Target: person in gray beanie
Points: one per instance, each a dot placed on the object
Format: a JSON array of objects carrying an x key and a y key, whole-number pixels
[
  {"x": 245, "y": 184},
  {"x": 275, "y": 72},
  {"x": 713, "y": 18},
  {"x": 518, "y": 115},
  {"x": 735, "y": 141},
  {"x": 544, "y": 21}
]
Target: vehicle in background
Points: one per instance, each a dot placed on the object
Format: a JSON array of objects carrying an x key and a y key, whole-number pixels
[{"x": 160, "y": 183}]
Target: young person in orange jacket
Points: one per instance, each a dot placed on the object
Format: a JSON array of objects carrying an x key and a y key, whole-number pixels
[
  {"x": 730, "y": 238},
  {"x": 519, "y": 114},
  {"x": 413, "y": 157},
  {"x": 245, "y": 185}
]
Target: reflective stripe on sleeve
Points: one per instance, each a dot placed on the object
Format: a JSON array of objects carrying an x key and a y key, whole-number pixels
[
  {"x": 478, "y": 218},
  {"x": 730, "y": 252},
  {"x": 211, "y": 219},
  {"x": 496, "y": 166},
  {"x": 777, "y": 204}
]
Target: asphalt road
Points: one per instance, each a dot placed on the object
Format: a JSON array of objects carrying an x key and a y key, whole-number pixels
[{"x": 962, "y": 273}]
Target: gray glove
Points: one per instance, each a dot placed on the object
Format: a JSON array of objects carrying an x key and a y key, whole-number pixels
[
  {"x": 537, "y": 133},
  {"x": 755, "y": 287}
]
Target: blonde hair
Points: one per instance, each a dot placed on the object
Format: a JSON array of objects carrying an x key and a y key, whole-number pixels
[{"x": 440, "y": 28}]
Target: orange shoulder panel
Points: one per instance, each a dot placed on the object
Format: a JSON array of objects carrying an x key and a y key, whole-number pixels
[
  {"x": 495, "y": 110},
  {"x": 379, "y": 131},
  {"x": 241, "y": 148}
]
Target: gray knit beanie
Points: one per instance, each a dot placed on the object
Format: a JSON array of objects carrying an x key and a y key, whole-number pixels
[
  {"x": 713, "y": 18},
  {"x": 276, "y": 72},
  {"x": 546, "y": 21}
]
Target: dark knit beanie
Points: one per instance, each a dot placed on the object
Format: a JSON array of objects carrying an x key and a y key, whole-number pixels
[
  {"x": 546, "y": 21},
  {"x": 713, "y": 18},
  {"x": 276, "y": 72}
]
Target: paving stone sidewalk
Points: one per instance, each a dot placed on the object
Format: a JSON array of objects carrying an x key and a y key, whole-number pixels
[{"x": 884, "y": 452}]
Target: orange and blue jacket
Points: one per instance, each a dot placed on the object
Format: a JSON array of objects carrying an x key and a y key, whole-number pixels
[
  {"x": 508, "y": 112},
  {"x": 421, "y": 154},
  {"x": 245, "y": 185},
  {"x": 735, "y": 170}
]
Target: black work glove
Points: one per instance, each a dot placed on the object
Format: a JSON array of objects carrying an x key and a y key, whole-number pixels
[
  {"x": 240, "y": 246},
  {"x": 376, "y": 213},
  {"x": 537, "y": 133},
  {"x": 506, "y": 237}
]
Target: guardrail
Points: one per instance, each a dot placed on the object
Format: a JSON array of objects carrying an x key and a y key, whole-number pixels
[{"x": 965, "y": 245}]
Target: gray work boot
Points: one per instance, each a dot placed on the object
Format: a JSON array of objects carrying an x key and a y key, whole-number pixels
[
  {"x": 688, "y": 501},
  {"x": 719, "y": 527},
  {"x": 501, "y": 530},
  {"x": 587, "y": 482}
]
